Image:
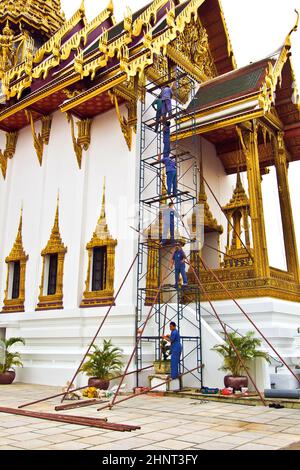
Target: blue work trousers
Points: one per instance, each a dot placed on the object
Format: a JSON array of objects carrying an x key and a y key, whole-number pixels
[
  {"x": 175, "y": 360},
  {"x": 172, "y": 182},
  {"x": 166, "y": 107},
  {"x": 158, "y": 116},
  {"x": 168, "y": 224},
  {"x": 180, "y": 269}
]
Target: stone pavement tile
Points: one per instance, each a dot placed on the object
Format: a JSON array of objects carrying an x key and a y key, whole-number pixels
[
  {"x": 290, "y": 430},
  {"x": 252, "y": 446},
  {"x": 45, "y": 424},
  {"x": 86, "y": 432},
  {"x": 195, "y": 438},
  {"x": 233, "y": 439},
  {"x": 32, "y": 444},
  {"x": 5, "y": 441},
  {"x": 228, "y": 428},
  {"x": 26, "y": 436},
  {"x": 58, "y": 438},
  {"x": 174, "y": 444},
  {"x": 214, "y": 445},
  {"x": 252, "y": 435},
  {"x": 49, "y": 431},
  {"x": 8, "y": 447},
  {"x": 258, "y": 427},
  {"x": 124, "y": 444},
  {"x": 115, "y": 435},
  {"x": 71, "y": 445},
  {"x": 94, "y": 440},
  {"x": 157, "y": 436},
  {"x": 202, "y": 436},
  {"x": 277, "y": 441},
  {"x": 149, "y": 447},
  {"x": 189, "y": 428},
  {"x": 18, "y": 430}
]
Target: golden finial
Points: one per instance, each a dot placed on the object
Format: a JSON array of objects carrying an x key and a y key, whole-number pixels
[
  {"x": 110, "y": 6},
  {"x": 56, "y": 220},
  {"x": 103, "y": 214},
  {"x": 101, "y": 230},
  {"x": 19, "y": 234}
]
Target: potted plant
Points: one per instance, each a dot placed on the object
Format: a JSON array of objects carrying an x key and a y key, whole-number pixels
[
  {"x": 103, "y": 365},
  {"x": 163, "y": 366},
  {"x": 247, "y": 346},
  {"x": 9, "y": 360}
]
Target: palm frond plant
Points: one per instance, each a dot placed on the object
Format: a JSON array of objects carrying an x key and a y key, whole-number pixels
[
  {"x": 248, "y": 348},
  {"x": 8, "y": 359},
  {"x": 104, "y": 363}
]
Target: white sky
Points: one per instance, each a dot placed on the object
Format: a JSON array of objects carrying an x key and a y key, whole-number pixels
[{"x": 257, "y": 28}]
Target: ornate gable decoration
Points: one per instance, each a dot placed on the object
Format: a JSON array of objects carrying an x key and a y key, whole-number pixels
[
  {"x": 55, "y": 243},
  {"x": 17, "y": 252}
]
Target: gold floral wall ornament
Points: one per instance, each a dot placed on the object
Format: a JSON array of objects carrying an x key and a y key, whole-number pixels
[
  {"x": 42, "y": 138},
  {"x": 99, "y": 284},
  {"x": 14, "y": 296},
  {"x": 8, "y": 153},
  {"x": 83, "y": 140},
  {"x": 51, "y": 287}
]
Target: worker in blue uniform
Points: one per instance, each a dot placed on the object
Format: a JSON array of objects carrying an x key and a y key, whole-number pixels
[
  {"x": 169, "y": 214},
  {"x": 166, "y": 96},
  {"x": 157, "y": 105},
  {"x": 178, "y": 259},
  {"x": 171, "y": 171},
  {"x": 166, "y": 139},
  {"x": 174, "y": 339}
]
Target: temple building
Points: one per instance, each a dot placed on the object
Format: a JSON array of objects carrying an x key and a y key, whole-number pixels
[{"x": 73, "y": 100}]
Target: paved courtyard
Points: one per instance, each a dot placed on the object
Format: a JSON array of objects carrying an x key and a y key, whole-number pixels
[{"x": 166, "y": 423}]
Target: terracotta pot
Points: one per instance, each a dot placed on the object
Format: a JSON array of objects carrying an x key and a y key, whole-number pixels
[
  {"x": 7, "y": 378},
  {"x": 235, "y": 382},
  {"x": 162, "y": 367},
  {"x": 98, "y": 383}
]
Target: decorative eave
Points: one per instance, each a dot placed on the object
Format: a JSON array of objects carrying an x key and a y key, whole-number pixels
[
  {"x": 18, "y": 253},
  {"x": 55, "y": 243},
  {"x": 44, "y": 18},
  {"x": 17, "y": 79}
]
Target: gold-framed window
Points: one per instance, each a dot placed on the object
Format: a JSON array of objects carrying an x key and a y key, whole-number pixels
[
  {"x": 14, "y": 295},
  {"x": 99, "y": 284},
  {"x": 51, "y": 287}
]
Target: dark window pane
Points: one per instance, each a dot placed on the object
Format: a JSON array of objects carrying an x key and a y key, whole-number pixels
[
  {"x": 16, "y": 281},
  {"x": 52, "y": 279},
  {"x": 99, "y": 268}
]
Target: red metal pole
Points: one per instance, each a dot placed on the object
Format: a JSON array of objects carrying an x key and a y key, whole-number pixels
[
  {"x": 138, "y": 341},
  {"x": 228, "y": 337},
  {"x": 75, "y": 389},
  {"x": 250, "y": 320},
  {"x": 149, "y": 390},
  {"x": 102, "y": 323}
]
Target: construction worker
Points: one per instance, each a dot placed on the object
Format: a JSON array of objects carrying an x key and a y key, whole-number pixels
[
  {"x": 178, "y": 259},
  {"x": 157, "y": 105},
  {"x": 171, "y": 172},
  {"x": 166, "y": 138},
  {"x": 168, "y": 217},
  {"x": 174, "y": 339},
  {"x": 166, "y": 96}
]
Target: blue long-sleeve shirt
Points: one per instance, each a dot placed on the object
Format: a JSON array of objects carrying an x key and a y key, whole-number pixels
[
  {"x": 166, "y": 93},
  {"x": 169, "y": 164},
  {"x": 175, "y": 341},
  {"x": 178, "y": 257}
]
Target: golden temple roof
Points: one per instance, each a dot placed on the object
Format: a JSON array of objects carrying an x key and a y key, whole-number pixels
[{"x": 46, "y": 16}]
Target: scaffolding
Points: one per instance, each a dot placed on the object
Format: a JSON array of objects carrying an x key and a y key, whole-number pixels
[{"x": 172, "y": 304}]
